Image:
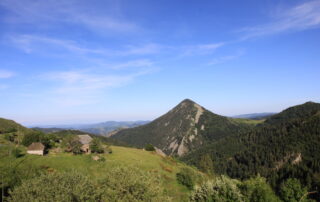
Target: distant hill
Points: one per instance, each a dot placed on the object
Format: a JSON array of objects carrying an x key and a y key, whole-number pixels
[
  {"x": 48, "y": 130},
  {"x": 255, "y": 116},
  {"x": 103, "y": 128},
  {"x": 183, "y": 129},
  {"x": 7, "y": 125}
]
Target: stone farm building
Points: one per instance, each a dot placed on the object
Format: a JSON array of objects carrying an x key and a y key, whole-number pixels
[
  {"x": 85, "y": 141},
  {"x": 36, "y": 148}
]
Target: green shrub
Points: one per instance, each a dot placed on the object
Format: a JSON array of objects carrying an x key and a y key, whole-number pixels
[
  {"x": 291, "y": 190},
  {"x": 101, "y": 159},
  {"x": 63, "y": 187},
  {"x": 186, "y": 178},
  {"x": 72, "y": 144},
  {"x": 219, "y": 189},
  {"x": 96, "y": 146},
  {"x": 149, "y": 147},
  {"x": 131, "y": 184},
  {"x": 9, "y": 137},
  {"x": 16, "y": 152},
  {"x": 13, "y": 171},
  {"x": 11, "y": 130},
  {"x": 257, "y": 189},
  {"x": 29, "y": 138}
]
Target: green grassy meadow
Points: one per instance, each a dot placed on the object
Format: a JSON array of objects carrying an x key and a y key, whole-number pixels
[{"x": 166, "y": 167}]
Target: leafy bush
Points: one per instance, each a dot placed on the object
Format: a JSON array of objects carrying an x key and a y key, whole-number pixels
[
  {"x": 72, "y": 144},
  {"x": 149, "y": 147},
  {"x": 11, "y": 130},
  {"x": 131, "y": 184},
  {"x": 16, "y": 152},
  {"x": 64, "y": 187},
  {"x": 292, "y": 190},
  {"x": 219, "y": 189},
  {"x": 102, "y": 159},
  {"x": 186, "y": 178},
  {"x": 96, "y": 146},
  {"x": 29, "y": 138},
  {"x": 13, "y": 172},
  {"x": 9, "y": 137},
  {"x": 257, "y": 189}
]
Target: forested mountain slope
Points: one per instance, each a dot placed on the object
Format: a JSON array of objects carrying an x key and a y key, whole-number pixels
[
  {"x": 183, "y": 129},
  {"x": 285, "y": 145}
]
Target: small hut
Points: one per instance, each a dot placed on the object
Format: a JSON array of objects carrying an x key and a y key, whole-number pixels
[
  {"x": 36, "y": 148},
  {"x": 85, "y": 141}
]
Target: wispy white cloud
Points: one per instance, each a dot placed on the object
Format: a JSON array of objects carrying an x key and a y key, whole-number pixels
[
  {"x": 71, "y": 12},
  {"x": 4, "y": 74},
  {"x": 72, "y": 88},
  {"x": 223, "y": 59},
  {"x": 133, "y": 64},
  {"x": 30, "y": 43},
  {"x": 201, "y": 49},
  {"x": 301, "y": 17},
  {"x": 35, "y": 43},
  {"x": 43, "y": 45}
]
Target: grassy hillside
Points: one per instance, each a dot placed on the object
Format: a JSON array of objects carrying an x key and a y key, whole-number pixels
[
  {"x": 11, "y": 126},
  {"x": 248, "y": 121},
  {"x": 146, "y": 161}
]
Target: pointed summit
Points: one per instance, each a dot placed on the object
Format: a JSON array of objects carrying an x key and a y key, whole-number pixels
[
  {"x": 184, "y": 128},
  {"x": 187, "y": 101}
]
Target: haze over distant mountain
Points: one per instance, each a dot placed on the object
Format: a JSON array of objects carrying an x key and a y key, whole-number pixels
[
  {"x": 183, "y": 129},
  {"x": 99, "y": 128},
  {"x": 255, "y": 116}
]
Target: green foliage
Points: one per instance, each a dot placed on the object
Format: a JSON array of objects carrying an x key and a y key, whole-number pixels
[
  {"x": 149, "y": 147},
  {"x": 286, "y": 145},
  {"x": 13, "y": 171},
  {"x": 11, "y": 130},
  {"x": 16, "y": 152},
  {"x": 222, "y": 189},
  {"x": 65, "y": 186},
  {"x": 186, "y": 177},
  {"x": 29, "y": 138},
  {"x": 258, "y": 190},
  {"x": 9, "y": 137},
  {"x": 96, "y": 146},
  {"x": 205, "y": 163},
  {"x": 102, "y": 159},
  {"x": 9, "y": 126},
  {"x": 131, "y": 184},
  {"x": 72, "y": 144},
  {"x": 292, "y": 191}
]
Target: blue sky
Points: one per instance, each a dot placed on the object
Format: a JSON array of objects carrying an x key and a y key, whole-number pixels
[{"x": 76, "y": 61}]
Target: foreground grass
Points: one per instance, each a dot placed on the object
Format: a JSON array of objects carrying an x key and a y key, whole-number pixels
[{"x": 147, "y": 161}]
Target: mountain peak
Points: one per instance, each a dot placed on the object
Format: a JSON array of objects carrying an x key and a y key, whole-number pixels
[
  {"x": 187, "y": 101},
  {"x": 183, "y": 129}
]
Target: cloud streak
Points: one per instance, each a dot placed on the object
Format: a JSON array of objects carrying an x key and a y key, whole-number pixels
[
  {"x": 68, "y": 12},
  {"x": 223, "y": 59},
  {"x": 35, "y": 43},
  {"x": 80, "y": 87},
  {"x": 301, "y": 17},
  {"x": 5, "y": 74},
  {"x": 201, "y": 49}
]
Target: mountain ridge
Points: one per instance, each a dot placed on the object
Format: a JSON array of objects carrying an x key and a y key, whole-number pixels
[{"x": 182, "y": 129}]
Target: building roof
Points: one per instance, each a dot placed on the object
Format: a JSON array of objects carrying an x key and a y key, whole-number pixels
[
  {"x": 85, "y": 139},
  {"x": 36, "y": 146}
]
